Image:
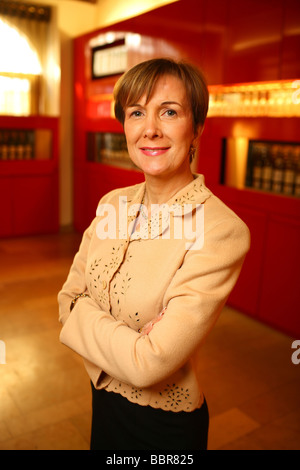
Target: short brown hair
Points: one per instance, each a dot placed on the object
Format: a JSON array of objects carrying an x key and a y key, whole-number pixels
[{"x": 142, "y": 78}]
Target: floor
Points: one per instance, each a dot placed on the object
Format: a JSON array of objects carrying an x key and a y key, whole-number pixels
[{"x": 250, "y": 382}]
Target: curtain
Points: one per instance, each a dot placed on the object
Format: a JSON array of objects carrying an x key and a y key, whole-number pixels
[{"x": 35, "y": 23}]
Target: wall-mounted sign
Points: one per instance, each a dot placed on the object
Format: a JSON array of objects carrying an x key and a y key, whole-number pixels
[{"x": 109, "y": 59}]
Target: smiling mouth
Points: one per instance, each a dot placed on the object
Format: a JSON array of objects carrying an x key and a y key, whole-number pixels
[{"x": 154, "y": 150}]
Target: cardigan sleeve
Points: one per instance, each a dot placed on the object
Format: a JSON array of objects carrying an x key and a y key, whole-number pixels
[
  {"x": 194, "y": 299},
  {"x": 75, "y": 283}
]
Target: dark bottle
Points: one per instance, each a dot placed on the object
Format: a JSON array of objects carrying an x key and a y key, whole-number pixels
[
  {"x": 278, "y": 169},
  {"x": 297, "y": 171},
  {"x": 267, "y": 170},
  {"x": 13, "y": 143},
  {"x": 21, "y": 145},
  {"x": 257, "y": 168},
  {"x": 29, "y": 146},
  {"x": 5, "y": 146},
  {"x": 289, "y": 172}
]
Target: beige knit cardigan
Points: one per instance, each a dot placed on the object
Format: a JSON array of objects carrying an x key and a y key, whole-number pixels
[{"x": 130, "y": 278}]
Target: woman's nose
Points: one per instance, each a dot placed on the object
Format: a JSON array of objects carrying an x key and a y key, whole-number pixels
[{"x": 152, "y": 127}]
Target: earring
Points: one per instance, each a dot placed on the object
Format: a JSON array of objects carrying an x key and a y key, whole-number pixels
[{"x": 192, "y": 152}]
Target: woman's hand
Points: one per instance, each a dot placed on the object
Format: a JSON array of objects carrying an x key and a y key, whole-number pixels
[{"x": 148, "y": 327}]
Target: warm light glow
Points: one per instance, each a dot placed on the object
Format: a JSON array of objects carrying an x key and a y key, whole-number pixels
[
  {"x": 14, "y": 96},
  {"x": 109, "y": 37},
  {"x": 133, "y": 40},
  {"x": 17, "y": 60},
  {"x": 17, "y": 56},
  {"x": 123, "y": 10},
  {"x": 236, "y": 163},
  {"x": 272, "y": 99}
]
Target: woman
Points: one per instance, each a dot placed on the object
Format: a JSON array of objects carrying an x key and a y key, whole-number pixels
[{"x": 153, "y": 272}]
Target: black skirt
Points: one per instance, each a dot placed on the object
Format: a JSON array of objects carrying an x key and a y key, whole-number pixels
[{"x": 118, "y": 424}]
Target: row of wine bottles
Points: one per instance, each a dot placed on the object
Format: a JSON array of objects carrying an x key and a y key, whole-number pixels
[
  {"x": 17, "y": 144},
  {"x": 107, "y": 147},
  {"x": 275, "y": 167}
]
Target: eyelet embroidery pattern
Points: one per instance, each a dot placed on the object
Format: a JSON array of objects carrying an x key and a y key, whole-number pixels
[
  {"x": 136, "y": 392},
  {"x": 172, "y": 398},
  {"x": 125, "y": 284},
  {"x": 175, "y": 397},
  {"x": 99, "y": 273},
  {"x": 187, "y": 197},
  {"x": 135, "y": 318},
  {"x": 115, "y": 259},
  {"x": 158, "y": 223},
  {"x": 120, "y": 388},
  {"x": 120, "y": 286},
  {"x": 94, "y": 265},
  {"x": 97, "y": 282}
]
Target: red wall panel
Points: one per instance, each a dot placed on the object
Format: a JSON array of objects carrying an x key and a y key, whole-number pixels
[
  {"x": 280, "y": 297},
  {"x": 104, "y": 178},
  {"x": 290, "y": 53},
  {"x": 246, "y": 293},
  {"x": 6, "y": 220},
  {"x": 34, "y": 205},
  {"x": 254, "y": 40}
]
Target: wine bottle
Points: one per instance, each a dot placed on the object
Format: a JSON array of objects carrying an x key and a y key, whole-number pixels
[
  {"x": 257, "y": 169},
  {"x": 278, "y": 167},
  {"x": 267, "y": 170},
  {"x": 297, "y": 172},
  {"x": 289, "y": 172}
]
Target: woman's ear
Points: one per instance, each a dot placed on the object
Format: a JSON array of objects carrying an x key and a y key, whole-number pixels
[{"x": 198, "y": 132}]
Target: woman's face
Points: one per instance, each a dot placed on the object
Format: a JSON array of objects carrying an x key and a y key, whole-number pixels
[{"x": 159, "y": 133}]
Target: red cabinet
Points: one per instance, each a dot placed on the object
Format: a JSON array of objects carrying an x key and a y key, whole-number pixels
[
  {"x": 280, "y": 298},
  {"x": 6, "y": 207},
  {"x": 246, "y": 294},
  {"x": 268, "y": 288},
  {"x": 268, "y": 285},
  {"x": 29, "y": 183}
]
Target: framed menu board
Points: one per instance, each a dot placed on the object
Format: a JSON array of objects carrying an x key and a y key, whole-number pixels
[{"x": 109, "y": 59}]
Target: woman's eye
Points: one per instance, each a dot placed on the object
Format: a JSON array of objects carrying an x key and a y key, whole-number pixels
[
  {"x": 170, "y": 112},
  {"x": 136, "y": 113}
]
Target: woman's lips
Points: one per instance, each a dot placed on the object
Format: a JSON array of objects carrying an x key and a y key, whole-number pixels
[{"x": 154, "y": 151}]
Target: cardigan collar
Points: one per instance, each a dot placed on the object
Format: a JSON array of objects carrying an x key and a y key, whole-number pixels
[
  {"x": 183, "y": 203},
  {"x": 194, "y": 192}
]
